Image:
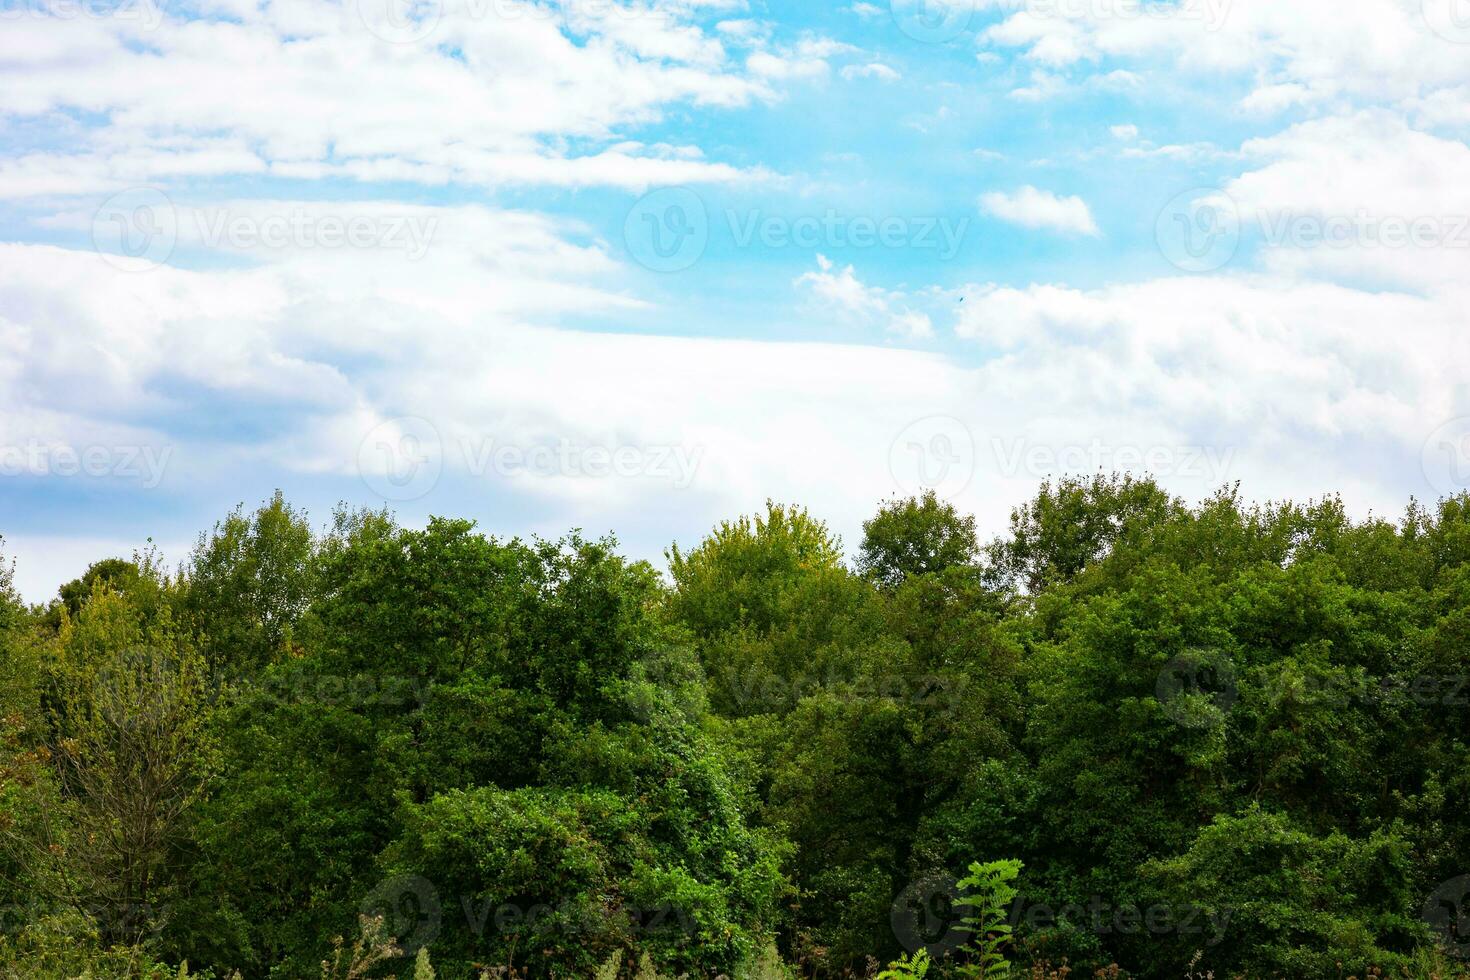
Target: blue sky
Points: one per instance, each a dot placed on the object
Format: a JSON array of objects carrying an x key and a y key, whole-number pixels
[{"x": 636, "y": 267}]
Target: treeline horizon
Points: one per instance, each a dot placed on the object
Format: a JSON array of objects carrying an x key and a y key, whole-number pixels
[{"x": 1213, "y": 738}]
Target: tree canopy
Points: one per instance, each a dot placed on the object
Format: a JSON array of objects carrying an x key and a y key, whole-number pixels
[{"x": 1157, "y": 737}]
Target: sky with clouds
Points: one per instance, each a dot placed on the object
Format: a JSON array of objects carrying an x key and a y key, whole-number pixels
[{"x": 638, "y": 266}]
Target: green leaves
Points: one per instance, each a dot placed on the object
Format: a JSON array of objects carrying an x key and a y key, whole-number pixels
[
  {"x": 987, "y": 891},
  {"x": 917, "y": 536},
  {"x": 915, "y": 966},
  {"x": 1220, "y": 727}
]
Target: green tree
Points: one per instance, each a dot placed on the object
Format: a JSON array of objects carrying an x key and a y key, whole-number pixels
[
  {"x": 915, "y": 536},
  {"x": 1071, "y": 525},
  {"x": 247, "y": 584},
  {"x": 743, "y": 572},
  {"x": 126, "y": 757}
]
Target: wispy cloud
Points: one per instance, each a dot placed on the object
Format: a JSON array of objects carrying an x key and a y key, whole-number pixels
[{"x": 1041, "y": 210}]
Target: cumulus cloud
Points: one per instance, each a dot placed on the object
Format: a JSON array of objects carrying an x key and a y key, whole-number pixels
[
  {"x": 881, "y": 72},
  {"x": 1360, "y": 197},
  {"x": 1302, "y": 53},
  {"x": 809, "y": 58},
  {"x": 1302, "y": 366},
  {"x": 477, "y": 93},
  {"x": 840, "y": 292},
  {"x": 317, "y": 351},
  {"x": 1041, "y": 210}
]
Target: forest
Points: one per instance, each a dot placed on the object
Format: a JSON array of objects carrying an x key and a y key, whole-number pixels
[{"x": 1131, "y": 736}]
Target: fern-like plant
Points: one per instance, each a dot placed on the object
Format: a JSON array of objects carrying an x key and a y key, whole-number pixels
[
  {"x": 609, "y": 968},
  {"x": 988, "y": 893},
  {"x": 914, "y": 967}
]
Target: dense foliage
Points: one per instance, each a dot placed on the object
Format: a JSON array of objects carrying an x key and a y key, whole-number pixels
[{"x": 1152, "y": 738}]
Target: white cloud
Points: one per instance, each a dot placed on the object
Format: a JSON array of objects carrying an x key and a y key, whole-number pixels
[
  {"x": 742, "y": 29},
  {"x": 1032, "y": 208},
  {"x": 326, "y": 346},
  {"x": 1388, "y": 202},
  {"x": 1303, "y": 388},
  {"x": 1309, "y": 374},
  {"x": 1294, "y": 387},
  {"x": 840, "y": 291},
  {"x": 874, "y": 70},
  {"x": 489, "y": 96},
  {"x": 1305, "y": 52},
  {"x": 809, "y": 58},
  {"x": 1044, "y": 85},
  {"x": 1191, "y": 153},
  {"x": 1308, "y": 362},
  {"x": 786, "y": 67},
  {"x": 912, "y": 324}
]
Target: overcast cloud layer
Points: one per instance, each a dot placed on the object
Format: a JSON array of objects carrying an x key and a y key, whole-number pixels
[{"x": 637, "y": 267}]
